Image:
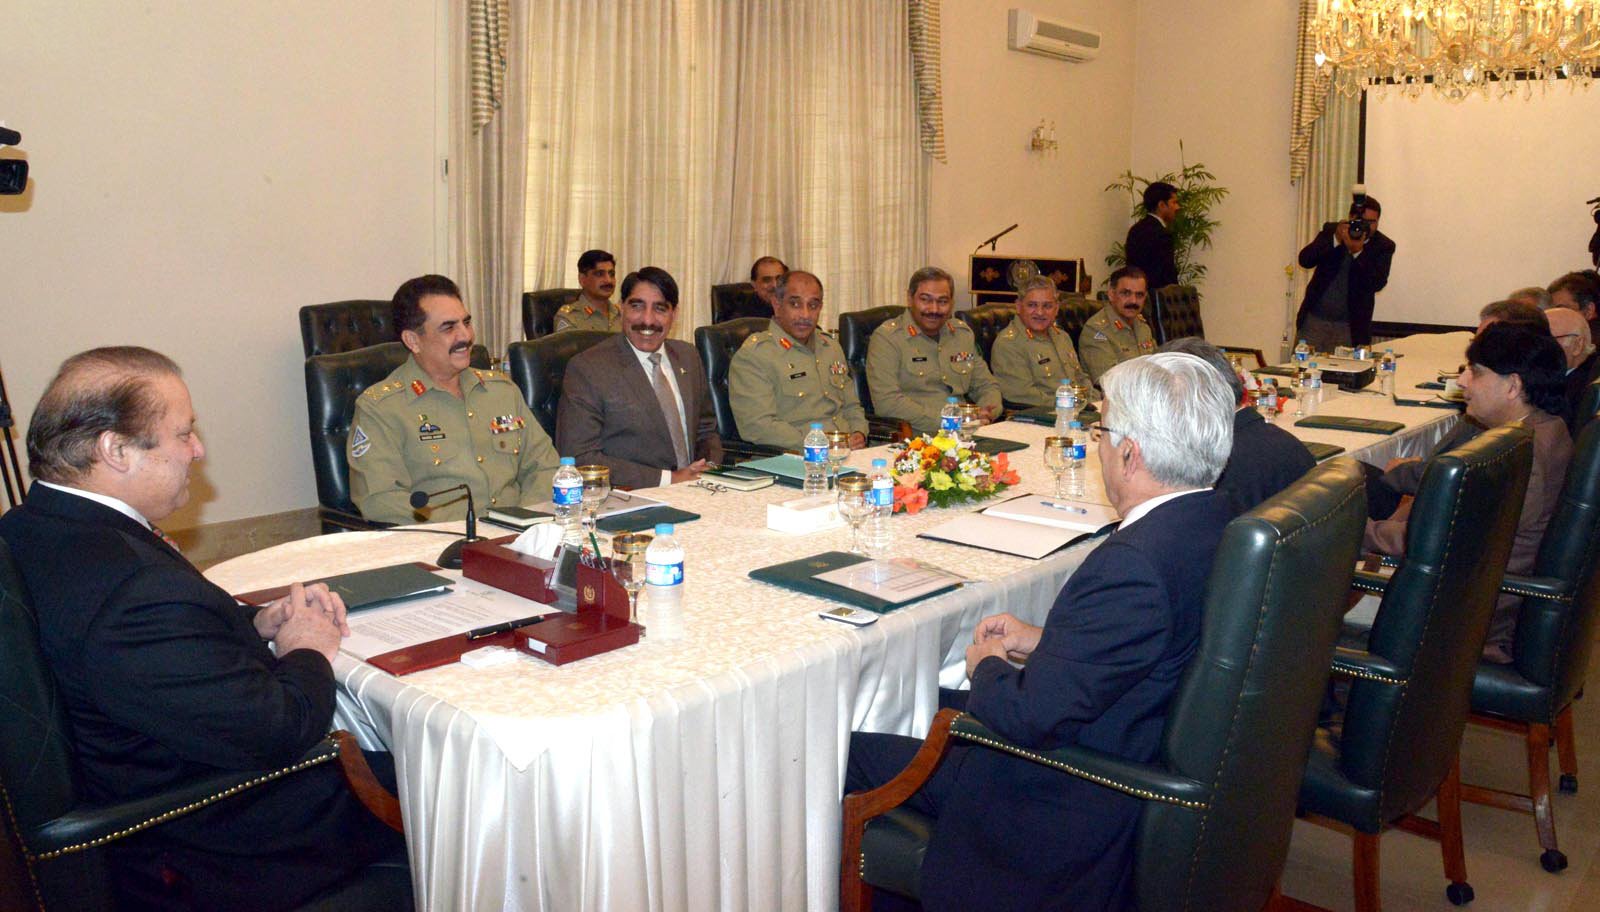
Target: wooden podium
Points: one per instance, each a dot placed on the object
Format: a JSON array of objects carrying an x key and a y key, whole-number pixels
[{"x": 995, "y": 278}]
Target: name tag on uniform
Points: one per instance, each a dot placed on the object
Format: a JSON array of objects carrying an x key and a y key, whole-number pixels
[
  {"x": 797, "y": 375},
  {"x": 919, "y": 359},
  {"x": 1045, "y": 360}
]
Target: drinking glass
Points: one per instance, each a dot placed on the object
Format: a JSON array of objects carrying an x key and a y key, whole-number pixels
[
  {"x": 1082, "y": 389},
  {"x": 971, "y": 420},
  {"x": 854, "y": 491},
  {"x": 838, "y": 452},
  {"x": 628, "y": 566},
  {"x": 1056, "y": 458},
  {"x": 596, "y": 488}
]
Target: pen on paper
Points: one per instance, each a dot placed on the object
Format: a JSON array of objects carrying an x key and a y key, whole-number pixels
[
  {"x": 493, "y": 629},
  {"x": 1061, "y": 506}
]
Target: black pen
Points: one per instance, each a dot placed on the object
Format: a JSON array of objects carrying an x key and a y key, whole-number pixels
[{"x": 493, "y": 629}]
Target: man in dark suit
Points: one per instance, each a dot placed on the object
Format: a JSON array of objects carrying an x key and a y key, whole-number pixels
[
  {"x": 1011, "y": 834},
  {"x": 1149, "y": 243},
  {"x": 1349, "y": 273},
  {"x": 1265, "y": 458},
  {"x": 165, "y": 678},
  {"x": 639, "y": 402},
  {"x": 1571, "y": 332}
]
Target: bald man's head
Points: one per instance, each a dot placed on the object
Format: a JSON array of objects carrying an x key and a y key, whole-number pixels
[{"x": 1571, "y": 331}]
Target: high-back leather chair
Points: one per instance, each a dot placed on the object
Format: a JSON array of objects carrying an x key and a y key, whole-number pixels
[
  {"x": 1554, "y": 639},
  {"x": 1588, "y": 406},
  {"x": 736, "y": 300},
  {"x": 60, "y": 834},
  {"x": 333, "y": 381},
  {"x": 539, "y": 309},
  {"x": 1409, "y": 688},
  {"x": 1177, "y": 313},
  {"x": 987, "y": 322},
  {"x": 1075, "y": 310},
  {"x": 855, "y": 331},
  {"x": 1219, "y": 802},
  {"x": 538, "y": 366},
  {"x": 717, "y": 344},
  {"x": 346, "y": 326}
]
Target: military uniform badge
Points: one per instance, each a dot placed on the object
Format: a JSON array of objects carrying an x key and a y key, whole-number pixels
[
  {"x": 418, "y": 388},
  {"x": 359, "y": 442}
]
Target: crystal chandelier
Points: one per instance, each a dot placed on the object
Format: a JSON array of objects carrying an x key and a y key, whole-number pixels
[{"x": 1461, "y": 46}]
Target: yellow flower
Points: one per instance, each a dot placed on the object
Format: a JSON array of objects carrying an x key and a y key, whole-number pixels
[
  {"x": 939, "y": 481},
  {"x": 945, "y": 444}
]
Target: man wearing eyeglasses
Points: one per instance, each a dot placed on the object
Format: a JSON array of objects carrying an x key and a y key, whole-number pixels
[
  {"x": 1571, "y": 332},
  {"x": 1012, "y": 834},
  {"x": 917, "y": 361}
]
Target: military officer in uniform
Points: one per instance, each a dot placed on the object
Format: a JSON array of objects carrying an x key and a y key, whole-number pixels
[
  {"x": 792, "y": 374},
  {"x": 597, "y": 276},
  {"x": 1033, "y": 355},
  {"x": 916, "y": 361},
  {"x": 1118, "y": 332},
  {"x": 436, "y": 421}
]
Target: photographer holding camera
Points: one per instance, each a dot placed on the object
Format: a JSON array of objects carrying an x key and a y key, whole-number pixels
[{"x": 1351, "y": 261}]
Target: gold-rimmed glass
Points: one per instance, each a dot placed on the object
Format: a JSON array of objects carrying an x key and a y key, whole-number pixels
[
  {"x": 627, "y": 565},
  {"x": 838, "y": 452},
  {"x": 1057, "y": 456},
  {"x": 971, "y": 419},
  {"x": 596, "y": 488},
  {"x": 854, "y": 492}
]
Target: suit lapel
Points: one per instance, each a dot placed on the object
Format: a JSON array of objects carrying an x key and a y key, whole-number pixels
[{"x": 641, "y": 386}]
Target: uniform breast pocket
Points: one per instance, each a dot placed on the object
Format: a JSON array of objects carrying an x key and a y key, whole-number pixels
[
  {"x": 437, "y": 451},
  {"x": 961, "y": 372}
]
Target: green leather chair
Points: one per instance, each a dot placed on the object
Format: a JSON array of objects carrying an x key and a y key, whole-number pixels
[
  {"x": 1409, "y": 687},
  {"x": 61, "y": 837},
  {"x": 1219, "y": 803},
  {"x": 1555, "y": 633}
]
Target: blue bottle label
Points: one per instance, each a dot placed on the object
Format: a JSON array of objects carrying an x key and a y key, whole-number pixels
[
  {"x": 883, "y": 493},
  {"x": 663, "y": 574},
  {"x": 570, "y": 495},
  {"x": 950, "y": 423},
  {"x": 1079, "y": 451},
  {"x": 816, "y": 454}
]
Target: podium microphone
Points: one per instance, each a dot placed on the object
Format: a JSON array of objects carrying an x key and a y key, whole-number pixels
[
  {"x": 990, "y": 243},
  {"x": 450, "y": 558}
]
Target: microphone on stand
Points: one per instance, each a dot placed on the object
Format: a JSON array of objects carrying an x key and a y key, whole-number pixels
[
  {"x": 990, "y": 243},
  {"x": 450, "y": 558}
]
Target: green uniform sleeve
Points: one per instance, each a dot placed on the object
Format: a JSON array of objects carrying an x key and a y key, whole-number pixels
[
  {"x": 883, "y": 380},
  {"x": 755, "y": 402},
  {"x": 853, "y": 416},
  {"x": 1074, "y": 367},
  {"x": 380, "y": 483},
  {"x": 1012, "y": 371},
  {"x": 1099, "y": 355}
]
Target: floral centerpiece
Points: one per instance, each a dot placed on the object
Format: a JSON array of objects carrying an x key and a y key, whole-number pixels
[{"x": 937, "y": 470}]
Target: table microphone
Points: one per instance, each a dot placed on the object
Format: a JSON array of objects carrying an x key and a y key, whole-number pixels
[{"x": 450, "y": 558}]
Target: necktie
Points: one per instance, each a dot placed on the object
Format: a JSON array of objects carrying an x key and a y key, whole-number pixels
[
  {"x": 669, "y": 411},
  {"x": 171, "y": 543}
]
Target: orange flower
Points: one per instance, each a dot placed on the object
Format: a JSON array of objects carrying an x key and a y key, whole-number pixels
[{"x": 909, "y": 500}]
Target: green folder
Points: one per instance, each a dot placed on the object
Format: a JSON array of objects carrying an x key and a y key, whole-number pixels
[
  {"x": 1321, "y": 451},
  {"x": 1342, "y": 423},
  {"x": 989, "y": 446},
  {"x": 645, "y": 520},
  {"x": 788, "y": 469},
  {"x": 385, "y": 585},
  {"x": 1045, "y": 416},
  {"x": 801, "y": 576}
]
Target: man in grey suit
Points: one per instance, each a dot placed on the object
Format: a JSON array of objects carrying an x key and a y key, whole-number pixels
[{"x": 638, "y": 402}]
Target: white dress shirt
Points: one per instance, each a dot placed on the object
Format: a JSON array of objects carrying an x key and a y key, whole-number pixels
[
  {"x": 1138, "y": 512},
  {"x": 102, "y": 499}
]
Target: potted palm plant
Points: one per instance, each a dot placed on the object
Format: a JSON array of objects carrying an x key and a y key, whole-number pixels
[{"x": 1198, "y": 194}]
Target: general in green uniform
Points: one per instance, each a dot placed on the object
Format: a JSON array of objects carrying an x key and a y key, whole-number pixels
[
  {"x": 1118, "y": 332},
  {"x": 911, "y": 373},
  {"x": 581, "y": 314},
  {"x": 1030, "y": 365},
  {"x": 778, "y": 386},
  {"x": 409, "y": 435}
]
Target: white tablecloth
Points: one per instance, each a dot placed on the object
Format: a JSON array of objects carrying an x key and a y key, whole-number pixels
[{"x": 702, "y": 773}]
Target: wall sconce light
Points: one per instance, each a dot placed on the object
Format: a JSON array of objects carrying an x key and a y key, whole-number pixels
[{"x": 1044, "y": 138}]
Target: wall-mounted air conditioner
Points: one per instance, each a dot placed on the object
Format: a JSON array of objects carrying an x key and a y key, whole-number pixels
[{"x": 1060, "y": 40}]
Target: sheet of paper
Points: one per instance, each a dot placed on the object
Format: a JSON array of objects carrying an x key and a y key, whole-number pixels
[
  {"x": 1008, "y": 536},
  {"x": 1080, "y": 515},
  {"x": 897, "y": 580},
  {"x": 617, "y": 503},
  {"x": 471, "y": 605}
]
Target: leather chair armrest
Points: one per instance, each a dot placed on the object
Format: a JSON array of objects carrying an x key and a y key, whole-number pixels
[
  {"x": 355, "y": 522},
  {"x": 886, "y": 430},
  {"x": 1355, "y": 663},
  {"x": 1368, "y": 581},
  {"x": 1547, "y": 587},
  {"x": 90, "y": 827},
  {"x": 1140, "y": 780}
]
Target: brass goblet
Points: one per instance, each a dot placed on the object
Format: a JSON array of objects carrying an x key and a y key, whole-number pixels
[
  {"x": 596, "y": 488},
  {"x": 627, "y": 565},
  {"x": 838, "y": 451}
]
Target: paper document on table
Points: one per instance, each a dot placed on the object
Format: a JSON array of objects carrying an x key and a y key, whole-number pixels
[
  {"x": 617, "y": 503},
  {"x": 1008, "y": 536},
  {"x": 470, "y": 606},
  {"x": 895, "y": 581},
  {"x": 1079, "y": 515}
]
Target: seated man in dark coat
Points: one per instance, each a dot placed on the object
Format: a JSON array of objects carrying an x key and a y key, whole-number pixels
[
  {"x": 165, "y": 678},
  {"x": 1265, "y": 458},
  {"x": 1011, "y": 834},
  {"x": 1571, "y": 332}
]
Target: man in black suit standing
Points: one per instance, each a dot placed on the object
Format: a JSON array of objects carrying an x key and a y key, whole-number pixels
[
  {"x": 1149, "y": 243},
  {"x": 1012, "y": 834},
  {"x": 165, "y": 677},
  {"x": 1351, "y": 267},
  {"x": 639, "y": 402}
]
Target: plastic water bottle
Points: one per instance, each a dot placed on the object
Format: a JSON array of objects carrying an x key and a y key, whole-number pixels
[
  {"x": 1386, "y": 367},
  {"x": 1313, "y": 391},
  {"x": 950, "y": 418},
  {"x": 815, "y": 448},
  {"x": 567, "y": 495},
  {"x": 1066, "y": 406},
  {"x": 1268, "y": 401},
  {"x": 1302, "y": 352},
  {"x": 663, "y": 570},
  {"x": 1072, "y": 479},
  {"x": 877, "y": 524}
]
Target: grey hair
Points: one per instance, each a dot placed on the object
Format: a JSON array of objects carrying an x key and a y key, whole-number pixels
[
  {"x": 1172, "y": 404},
  {"x": 1533, "y": 294},
  {"x": 1212, "y": 355},
  {"x": 781, "y": 290},
  {"x": 1036, "y": 283}
]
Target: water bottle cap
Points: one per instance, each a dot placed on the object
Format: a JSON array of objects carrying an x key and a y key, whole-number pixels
[
  {"x": 569, "y": 460},
  {"x": 879, "y": 463},
  {"x": 952, "y": 400},
  {"x": 1064, "y": 382},
  {"x": 663, "y": 529},
  {"x": 1313, "y": 364},
  {"x": 816, "y": 425}
]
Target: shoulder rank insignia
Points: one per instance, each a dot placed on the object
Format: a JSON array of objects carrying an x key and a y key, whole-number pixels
[
  {"x": 785, "y": 343},
  {"x": 504, "y": 423},
  {"x": 418, "y": 388},
  {"x": 911, "y": 329},
  {"x": 588, "y": 310},
  {"x": 1118, "y": 325},
  {"x": 359, "y": 443}
]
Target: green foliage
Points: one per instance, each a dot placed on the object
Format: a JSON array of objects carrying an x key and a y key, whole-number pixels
[{"x": 1198, "y": 194}]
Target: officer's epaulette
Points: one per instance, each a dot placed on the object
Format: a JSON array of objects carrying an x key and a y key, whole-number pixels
[
  {"x": 1010, "y": 332},
  {"x": 823, "y": 334},
  {"x": 958, "y": 325},
  {"x": 487, "y": 375},
  {"x": 890, "y": 325},
  {"x": 380, "y": 391},
  {"x": 756, "y": 338}
]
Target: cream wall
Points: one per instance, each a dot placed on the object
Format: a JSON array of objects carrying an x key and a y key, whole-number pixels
[
  {"x": 993, "y": 98},
  {"x": 1219, "y": 77},
  {"x": 200, "y": 171}
]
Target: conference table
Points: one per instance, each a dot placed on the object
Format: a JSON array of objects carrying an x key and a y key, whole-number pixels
[{"x": 704, "y": 771}]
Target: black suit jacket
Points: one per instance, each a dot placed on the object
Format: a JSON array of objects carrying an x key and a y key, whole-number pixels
[
  {"x": 165, "y": 680},
  {"x": 1578, "y": 380},
  {"x": 1265, "y": 460},
  {"x": 609, "y": 414},
  {"x": 1149, "y": 247},
  {"x": 1019, "y": 835},
  {"x": 1368, "y": 274}
]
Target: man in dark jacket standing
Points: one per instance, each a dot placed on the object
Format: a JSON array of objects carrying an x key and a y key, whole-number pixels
[
  {"x": 1149, "y": 243},
  {"x": 1350, "y": 269}
]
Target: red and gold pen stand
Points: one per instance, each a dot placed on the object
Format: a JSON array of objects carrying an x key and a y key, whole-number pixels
[{"x": 599, "y": 625}]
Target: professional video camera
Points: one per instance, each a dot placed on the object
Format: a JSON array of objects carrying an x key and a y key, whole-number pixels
[
  {"x": 13, "y": 171},
  {"x": 1359, "y": 226},
  {"x": 1594, "y": 241}
]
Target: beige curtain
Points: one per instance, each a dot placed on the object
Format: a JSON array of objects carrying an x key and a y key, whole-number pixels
[
  {"x": 488, "y": 150},
  {"x": 698, "y": 135}
]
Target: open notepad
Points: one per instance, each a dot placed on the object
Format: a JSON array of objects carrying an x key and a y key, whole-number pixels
[{"x": 1028, "y": 526}]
